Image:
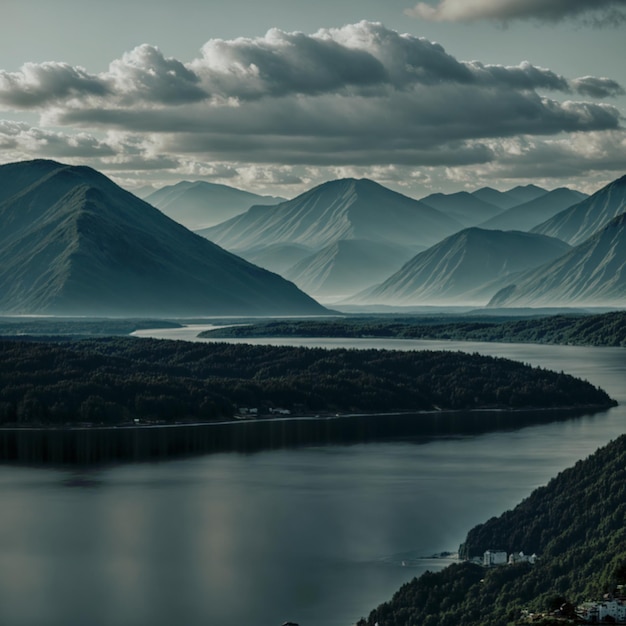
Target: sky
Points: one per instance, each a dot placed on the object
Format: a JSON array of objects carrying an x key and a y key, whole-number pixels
[{"x": 278, "y": 96}]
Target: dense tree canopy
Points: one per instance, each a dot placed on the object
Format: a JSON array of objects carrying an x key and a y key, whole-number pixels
[
  {"x": 577, "y": 526},
  {"x": 607, "y": 329},
  {"x": 112, "y": 380}
]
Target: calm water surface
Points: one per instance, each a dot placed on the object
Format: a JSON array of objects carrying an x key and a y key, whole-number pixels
[{"x": 318, "y": 535}]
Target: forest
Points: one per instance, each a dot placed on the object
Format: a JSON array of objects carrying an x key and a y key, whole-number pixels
[
  {"x": 575, "y": 524},
  {"x": 115, "y": 380},
  {"x": 606, "y": 329},
  {"x": 57, "y": 328}
]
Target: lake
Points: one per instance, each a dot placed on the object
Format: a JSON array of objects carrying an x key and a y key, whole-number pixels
[{"x": 317, "y": 535}]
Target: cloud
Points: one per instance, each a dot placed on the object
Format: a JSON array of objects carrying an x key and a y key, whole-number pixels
[
  {"x": 360, "y": 96},
  {"x": 358, "y": 60},
  {"x": 37, "y": 85},
  {"x": 597, "y": 87},
  {"x": 20, "y": 138},
  {"x": 145, "y": 74},
  {"x": 596, "y": 12}
]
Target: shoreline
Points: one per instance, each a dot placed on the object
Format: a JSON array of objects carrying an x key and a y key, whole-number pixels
[{"x": 92, "y": 445}]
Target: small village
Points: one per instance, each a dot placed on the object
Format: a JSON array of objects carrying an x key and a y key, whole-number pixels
[{"x": 610, "y": 610}]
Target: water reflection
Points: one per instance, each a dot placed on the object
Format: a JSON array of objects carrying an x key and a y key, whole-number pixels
[{"x": 316, "y": 535}]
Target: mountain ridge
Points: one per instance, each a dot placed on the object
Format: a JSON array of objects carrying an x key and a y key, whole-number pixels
[
  {"x": 591, "y": 274},
  {"x": 346, "y": 209},
  {"x": 579, "y": 222},
  {"x": 73, "y": 242},
  {"x": 468, "y": 267},
  {"x": 200, "y": 204}
]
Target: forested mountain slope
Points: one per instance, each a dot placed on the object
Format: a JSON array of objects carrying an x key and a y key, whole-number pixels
[{"x": 577, "y": 526}]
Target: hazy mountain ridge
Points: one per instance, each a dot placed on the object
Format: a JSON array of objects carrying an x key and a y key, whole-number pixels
[
  {"x": 527, "y": 215},
  {"x": 581, "y": 221},
  {"x": 526, "y": 193},
  {"x": 346, "y": 266},
  {"x": 73, "y": 242},
  {"x": 469, "y": 267},
  {"x": 202, "y": 204},
  {"x": 500, "y": 199},
  {"x": 591, "y": 274},
  {"x": 277, "y": 257},
  {"x": 464, "y": 207},
  {"x": 336, "y": 210}
]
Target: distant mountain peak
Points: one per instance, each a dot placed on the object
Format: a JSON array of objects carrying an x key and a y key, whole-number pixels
[
  {"x": 466, "y": 268},
  {"x": 346, "y": 208},
  {"x": 200, "y": 204},
  {"x": 591, "y": 274}
]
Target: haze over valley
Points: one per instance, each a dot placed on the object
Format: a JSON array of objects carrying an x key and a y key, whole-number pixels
[{"x": 295, "y": 295}]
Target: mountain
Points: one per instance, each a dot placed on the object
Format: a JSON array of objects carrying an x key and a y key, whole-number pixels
[
  {"x": 336, "y": 210},
  {"x": 528, "y": 214},
  {"x": 73, "y": 242},
  {"x": 277, "y": 257},
  {"x": 501, "y": 199},
  {"x": 463, "y": 207},
  {"x": 526, "y": 193},
  {"x": 591, "y": 274},
  {"x": 582, "y": 220},
  {"x": 466, "y": 268},
  {"x": 345, "y": 267},
  {"x": 575, "y": 524},
  {"x": 200, "y": 204}
]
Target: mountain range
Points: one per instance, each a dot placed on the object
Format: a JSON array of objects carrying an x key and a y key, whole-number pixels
[
  {"x": 584, "y": 219},
  {"x": 527, "y": 215},
  {"x": 502, "y": 199},
  {"x": 464, "y": 207},
  {"x": 591, "y": 274},
  {"x": 200, "y": 204},
  {"x": 73, "y": 242},
  {"x": 466, "y": 268},
  {"x": 346, "y": 266},
  {"x": 337, "y": 210}
]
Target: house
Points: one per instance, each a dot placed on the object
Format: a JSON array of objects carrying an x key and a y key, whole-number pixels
[
  {"x": 520, "y": 557},
  {"x": 611, "y": 610}
]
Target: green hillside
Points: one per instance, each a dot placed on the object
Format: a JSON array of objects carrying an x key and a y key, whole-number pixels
[{"x": 577, "y": 526}]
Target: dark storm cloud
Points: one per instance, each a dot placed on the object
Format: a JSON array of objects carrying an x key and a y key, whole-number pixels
[
  {"x": 597, "y": 87},
  {"x": 597, "y": 12}
]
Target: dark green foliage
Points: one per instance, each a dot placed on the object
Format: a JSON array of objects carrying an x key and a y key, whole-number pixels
[
  {"x": 607, "y": 329},
  {"x": 576, "y": 524},
  {"x": 78, "y": 326},
  {"x": 115, "y": 379}
]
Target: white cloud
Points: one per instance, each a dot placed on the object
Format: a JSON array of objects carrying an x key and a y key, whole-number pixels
[
  {"x": 145, "y": 74},
  {"x": 37, "y": 85},
  {"x": 598, "y": 12},
  {"x": 269, "y": 111},
  {"x": 19, "y": 139}
]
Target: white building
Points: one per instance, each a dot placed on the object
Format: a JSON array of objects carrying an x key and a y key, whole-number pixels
[
  {"x": 520, "y": 557},
  {"x": 597, "y": 612},
  {"x": 494, "y": 557}
]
